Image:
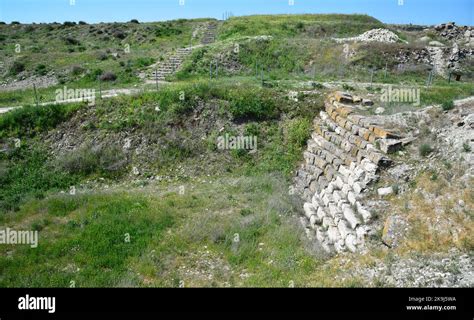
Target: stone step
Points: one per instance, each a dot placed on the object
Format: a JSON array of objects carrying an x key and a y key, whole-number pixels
[
  {"x": 164, "y": 70},
  {"x": 171, "y": 65}
]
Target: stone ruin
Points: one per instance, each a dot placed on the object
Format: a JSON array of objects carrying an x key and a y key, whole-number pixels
[
  {"x": 344, "y": 156},
  {"x": 451, "y": 31}
]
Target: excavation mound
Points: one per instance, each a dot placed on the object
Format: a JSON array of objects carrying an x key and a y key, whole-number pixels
[{"x": 374, "y": 35}]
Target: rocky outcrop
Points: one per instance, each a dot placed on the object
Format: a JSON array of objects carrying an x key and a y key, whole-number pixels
[
  {"x": 341, "y": 160},
  {"x": 451, "y": 31}
]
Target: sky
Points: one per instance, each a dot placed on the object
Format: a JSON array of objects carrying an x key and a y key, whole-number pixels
[{"x": 426, "y": 12}]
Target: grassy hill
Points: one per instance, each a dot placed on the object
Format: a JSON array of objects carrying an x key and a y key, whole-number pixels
[{"x": 157, "y": 203}]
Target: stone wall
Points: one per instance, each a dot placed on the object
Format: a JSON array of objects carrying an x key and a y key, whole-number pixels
[{"x": 343, "y": 157}]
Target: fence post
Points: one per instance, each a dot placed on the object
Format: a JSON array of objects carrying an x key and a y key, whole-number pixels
[
  {"x": 100, "y": 88},
  {"x": 430, "y": 79},
  {"x": 36, "y": 95}
]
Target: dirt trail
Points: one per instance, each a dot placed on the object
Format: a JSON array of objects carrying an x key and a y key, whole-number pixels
[{"x": 105, "y": 95}]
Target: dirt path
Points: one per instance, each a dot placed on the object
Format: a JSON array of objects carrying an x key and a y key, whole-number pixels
[{"x": 105, "y": 95}]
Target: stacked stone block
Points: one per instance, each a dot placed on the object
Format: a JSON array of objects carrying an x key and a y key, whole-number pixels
[{"x": 342, "y": 158}]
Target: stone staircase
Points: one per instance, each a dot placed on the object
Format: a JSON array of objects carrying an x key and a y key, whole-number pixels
[
  {"x": 169, "y": 66},
  {"x": 343, "y": 157},
  {"x": 210, "y": 34},
  {"x": 174, "y": 62}
]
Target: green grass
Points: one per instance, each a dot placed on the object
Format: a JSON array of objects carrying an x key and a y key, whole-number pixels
[
  {"x": 29, "y": 121},
  {"x": 446, "y": 94},
  {"x": 93, "y": 248},
  {"x": 298, "y": 25},
  {"x": 82, "y": 238},
  {"x": 27, "y": 174}
]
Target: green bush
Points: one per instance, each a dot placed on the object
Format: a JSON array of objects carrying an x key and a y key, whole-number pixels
[
  {"x": 71, "y": 41},
  {"x": 166, "y": 29},
  {"x": 94, "y": 75},
  {"x": 252, "y": 104},
  {"x": 245, "y": 212},
  {"x": 41, "y": 70},
  {"x": 77, "y": 70},
  {"x": 104, "y": 160},
  {"x": 425, "y": 149},
  {"x": 448, "y": 105},
  {"x": 143, "y": 62},
  {"x": 108, "y": 76},
  {"x": 299, "y": 131},
  {"x": 16, "y": 68},
  {"x": 466, "y": 147}
]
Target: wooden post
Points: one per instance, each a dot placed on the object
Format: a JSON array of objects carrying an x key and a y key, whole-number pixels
[
  {"x": 100, "y": 88},
  {"x": 386, "y": 67},
  {"x": 156, "y": 79},
  {"x": 449, "y": 79},
  {"x": 371, "y": 76},
  {"x": 430, "y": 78},
  {"x": 217, "y": 69},
  {"x": 36, "y": 95}
]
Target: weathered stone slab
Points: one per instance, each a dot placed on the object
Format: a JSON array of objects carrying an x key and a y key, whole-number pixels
[
  {"x": 343, "y": 97},
  {"x": 309, "y": 210},
  {"x": 382, "y": 192},
  {"x": 350, "y": 242},
  {"x": 389, "y": 145},
  {"x": 343, "y": 228},
  {"x": 366, "y": 215},
  {"x": 333, "y": 234},
  {"x": 350, "y": 217}
]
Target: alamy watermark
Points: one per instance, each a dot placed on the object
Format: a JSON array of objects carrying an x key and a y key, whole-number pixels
[
  {"x": 404, "y": 94},
  {"x": 65, "y": 94},
  {"x": 10, "y": 236},
  {"x": 228, "y": 142}
]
